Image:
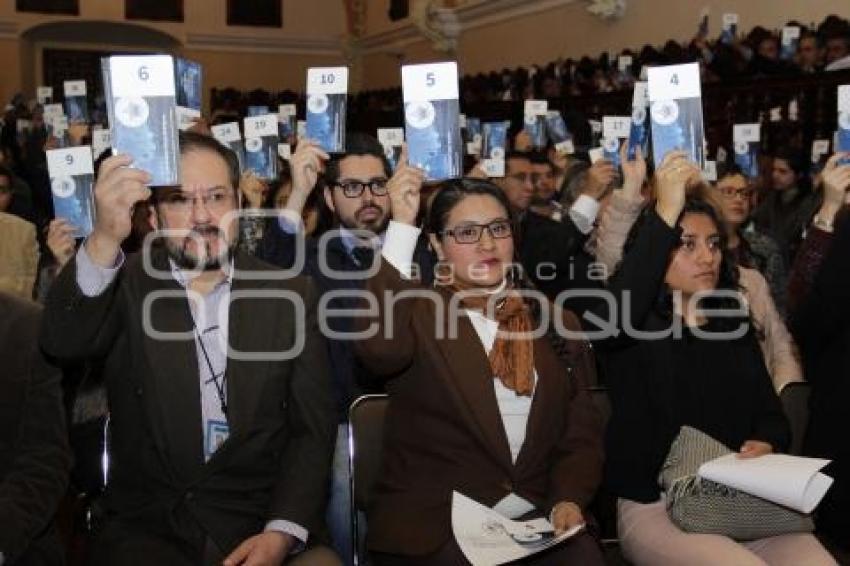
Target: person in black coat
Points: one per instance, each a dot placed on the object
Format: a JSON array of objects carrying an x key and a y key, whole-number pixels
[
  {"x": 35, "y": 459},
  {"x": 671, "y": 363},
  {"x": 355, "y": 186},
  {"x": 821, "y": 326}
]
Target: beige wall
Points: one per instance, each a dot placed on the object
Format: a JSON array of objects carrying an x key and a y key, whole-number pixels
[
  {"x": 242, "y": 57},
  {"x": 274, "y": 59},
  {"x": 247, "y": 71},
  {"x": 304, "y": 18},
  {"x": 570, "y": 30},
  {"x": 10, "y": 56}
]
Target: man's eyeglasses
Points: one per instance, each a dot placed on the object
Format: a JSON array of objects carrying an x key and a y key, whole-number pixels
[
  {"x": 216, "y": 200},
  {"x": 523, "y": 177},
  {"x": 730, "y": 192},
  {"x": 353, "y": 189},
  {"x": 471, "y": 233}
]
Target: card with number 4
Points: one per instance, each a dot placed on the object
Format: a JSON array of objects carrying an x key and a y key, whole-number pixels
[{"x": 675, "y": 101}]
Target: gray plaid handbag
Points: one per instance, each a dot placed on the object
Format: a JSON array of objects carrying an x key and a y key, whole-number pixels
[{"x": 701, "y": 506}]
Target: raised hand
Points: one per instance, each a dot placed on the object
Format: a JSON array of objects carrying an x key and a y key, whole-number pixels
[
  {"x": 599, "y": 177},
  {"x": 60, "y": 240},
  {"x": 305, "y": 165},
  {"x": 117, "y": 190},
  {"x": 404, "y": 190},
  {"x": 671, "y": 179},
  {"x": 836, "y": 183}
]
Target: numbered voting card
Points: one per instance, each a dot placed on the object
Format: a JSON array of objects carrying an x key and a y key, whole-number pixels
[
  {"x": 44, "y": 94},
  {"x": 229, "y": 136},
  {"x": 71, "y": 179},
  {"x": 327, "y": 95},
  {"x": 140, "y": 99},
  {"x": 745, "y": 139},
  {"x": 639, "y": 128},
  {"x": 675, "y": 102},
  {"x": 76, "y": 102},
  {"x": 843, "y": 136},
  {"x": 494, "y": 148},
  {"x": 261, "y": 146},
  {"x": 432, "y": 119},
  {"x": 391, "y": 140},
  {"x": 534, "y": 118}
]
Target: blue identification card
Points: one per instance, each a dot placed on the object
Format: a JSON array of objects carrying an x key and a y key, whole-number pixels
[
  {"x": 140, "y": 98},
  {"x": 261, "y": 146},
  {"x": 534, "y": 118},
  {"x": 730, "y": 28},
  {"x": 473, "y": 136},
  {"x": 76, "y": 102},
  {"x": 229, "y": 136},
  {"x": 71, "y": 179},
  {"x": 216, "y": 434},
  {"x": 556, "y": 128},
  {"x": 286, "y": 117},
  {"x": 614, "y": 129},
  {"x": 746, "y": 138},
  {"x": 188, "y": 83},
  {"x": 432, "y": 119},
  {"x": 494, "y": 146},
  {"x": 327, "y": 97},
  {"x": 675, "y": 100},
  {"x": 790, "y": 42},
  {"x": 257, "y": 110},
  {"x": 843, "y": 134},
  {"x": 639, "y": 128},
  {"x": 391, "y": 140}
]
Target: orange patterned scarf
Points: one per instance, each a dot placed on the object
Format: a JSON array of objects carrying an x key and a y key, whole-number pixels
[{"x": 511, "y": 358}]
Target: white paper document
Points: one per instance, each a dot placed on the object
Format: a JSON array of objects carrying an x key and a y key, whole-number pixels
[
  {"x": 488, "y": 538},
  {"x": 792, "y": 481}
]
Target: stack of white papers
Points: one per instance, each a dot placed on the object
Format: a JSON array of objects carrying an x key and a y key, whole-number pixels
[
  {"x": 792, "y": 481},
  {"x": 488, "y": 538}
]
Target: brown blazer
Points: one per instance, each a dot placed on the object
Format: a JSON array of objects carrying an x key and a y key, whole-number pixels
[{"x": 443, "y": 430}]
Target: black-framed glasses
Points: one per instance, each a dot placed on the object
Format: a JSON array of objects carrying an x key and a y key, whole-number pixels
[
  {"x": 352, "y": 188},
  {"x": 215, "y": 200},
  {"x": 471, "y": 233},
  {"x": 731, "y": 192}
]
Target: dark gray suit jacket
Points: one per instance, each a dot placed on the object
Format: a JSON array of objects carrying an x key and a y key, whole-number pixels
[
  {"x": 34, "y": 455},
  {"x": 276, "y": 462}
]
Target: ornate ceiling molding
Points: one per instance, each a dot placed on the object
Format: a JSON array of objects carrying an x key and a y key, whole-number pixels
[
  {"x": 469, "y": 16},
  {"x": 292, "y": 45}
]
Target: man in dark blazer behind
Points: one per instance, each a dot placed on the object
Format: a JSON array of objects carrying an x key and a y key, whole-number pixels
[
  {"x": 355, "y": 189},
  {"x": 34, "y": 455},
  {"x": 220, "y": 445}
]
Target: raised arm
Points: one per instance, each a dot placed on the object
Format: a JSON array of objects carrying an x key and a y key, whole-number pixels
[{"x": 80, "y": 314}]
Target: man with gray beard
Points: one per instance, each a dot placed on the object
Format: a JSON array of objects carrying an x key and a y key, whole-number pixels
[{"x": 221, "y": 412}]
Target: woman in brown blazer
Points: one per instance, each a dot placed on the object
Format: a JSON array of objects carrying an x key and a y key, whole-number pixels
[{"x": 506, "y": 422}]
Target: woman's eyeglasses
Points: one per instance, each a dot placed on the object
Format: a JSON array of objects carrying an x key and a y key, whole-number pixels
[
  {"x": 471, "y": 233},
  {"x": 731, "y": 192}
]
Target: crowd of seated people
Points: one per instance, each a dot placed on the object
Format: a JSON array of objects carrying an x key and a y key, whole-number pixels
[
  {"x": 757, "y": 54},
  {"x": 187, "y": 451}
]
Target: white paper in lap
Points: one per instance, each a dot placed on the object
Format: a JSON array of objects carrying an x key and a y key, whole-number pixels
[
  {"x": 792, "y": 481},
  {"x": 487, "y": 538}
]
